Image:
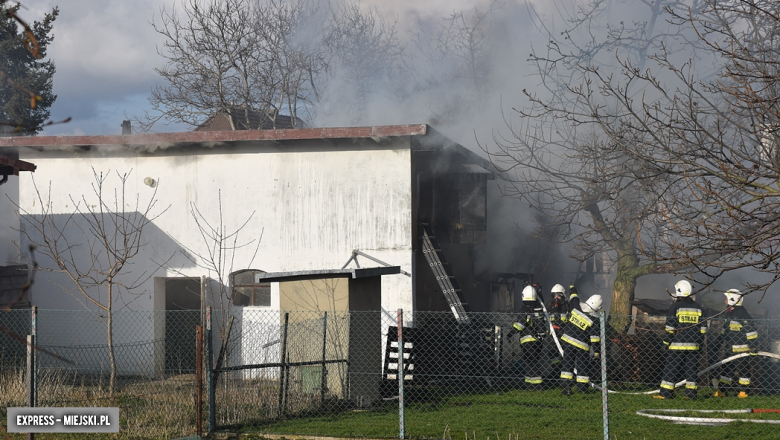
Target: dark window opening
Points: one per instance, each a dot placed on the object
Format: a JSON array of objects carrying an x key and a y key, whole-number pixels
[{"x": 248, "y": 293}]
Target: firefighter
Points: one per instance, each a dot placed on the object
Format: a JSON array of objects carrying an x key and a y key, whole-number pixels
[
  {"x": 557, "y": 308},
  {"x": 685, "y": 334},
  {"x": 581, "y": 330},
  {"x": 532, "y": 327},
  {"x": 738, "y": 336}
]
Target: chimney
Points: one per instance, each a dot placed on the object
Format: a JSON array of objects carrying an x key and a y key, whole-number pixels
[{"x": 126, "y": 128}]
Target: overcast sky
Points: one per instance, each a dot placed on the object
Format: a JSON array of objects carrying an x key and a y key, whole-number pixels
[{"x": 105, "y": 53}]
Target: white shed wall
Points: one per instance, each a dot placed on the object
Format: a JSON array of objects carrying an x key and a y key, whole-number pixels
[{"x": 312, "y": 208}]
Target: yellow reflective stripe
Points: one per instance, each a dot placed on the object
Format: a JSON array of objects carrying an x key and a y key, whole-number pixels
[
  {"x": 518, "y": 326},
  {"x": 667, "y": 385},
  {"x": 669, "y": 329},
  {"x": 691, "y": 385},
  {"x": 567, "y": 375},
  {"x": 744, "y": 381},
  {"x": 575, "y": 342},
  {"x": 533, "y": 380},
  {"x": 703, "y": 330},
  {"x": 564, "y": 318},
  {"x": 527, "y": 338},
  {"x": 735, "y": 326},
  {"x": 752, "y": 335},
  {"x": 683, "y": 346},
  {"x": 583, "y": 379},
  {"x": 595, "y": 339},
  {"x": 740, "y": 348},
  {"x": 726, "y": 380}
]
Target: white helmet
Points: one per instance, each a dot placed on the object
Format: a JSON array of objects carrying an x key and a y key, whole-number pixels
[
  {"x": 593, "y": 304},
  {"x": 733, "y": 297},
  {"x": 529, "y": 293},
  {"x": 558, "y": 289},
  {"x": 682, "y": 289}
]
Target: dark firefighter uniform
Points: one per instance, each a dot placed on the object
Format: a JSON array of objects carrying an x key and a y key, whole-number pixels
[
  {"x": 738, "y": 336},
  {"x": 558, "y": 310},
  {"x": 580, "y": 331},
  {"x": 685, "y": 331},
  {"x": 532, "y": 327}
]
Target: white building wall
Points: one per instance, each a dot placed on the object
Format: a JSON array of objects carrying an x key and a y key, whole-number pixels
[{"x": 311, "y": 209}]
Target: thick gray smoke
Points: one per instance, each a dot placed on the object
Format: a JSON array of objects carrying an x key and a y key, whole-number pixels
[{"x": 458, "y": 66}]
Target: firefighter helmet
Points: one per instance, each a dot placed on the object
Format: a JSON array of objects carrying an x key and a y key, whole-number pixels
[
  {"x": 593, "y": 304},
  {"x": 682, "y": 289},
  {"x": 558, "y": 289},
  {"x": 733, "y": 297},
  {"x": 529, "y": 293}
]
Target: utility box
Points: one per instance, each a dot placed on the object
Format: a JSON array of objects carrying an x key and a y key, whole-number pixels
[{"x": 336, "y": 313}]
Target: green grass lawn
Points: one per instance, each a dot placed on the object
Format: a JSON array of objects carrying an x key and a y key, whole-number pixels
[{"x": 515, "y": 414}]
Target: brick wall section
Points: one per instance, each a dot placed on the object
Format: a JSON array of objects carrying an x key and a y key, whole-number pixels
[{"x": 12, "y": 279}]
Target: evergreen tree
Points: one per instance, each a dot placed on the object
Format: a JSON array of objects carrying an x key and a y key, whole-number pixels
[{"x": 25, "y": 74}]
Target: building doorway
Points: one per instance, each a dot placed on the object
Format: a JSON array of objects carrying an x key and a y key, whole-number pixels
[{"x": 182, "y": 315}]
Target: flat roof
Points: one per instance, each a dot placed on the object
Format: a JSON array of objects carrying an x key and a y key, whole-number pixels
[
  {"x": 219, "y": 136},
  {"x": 354, "y": 273}
]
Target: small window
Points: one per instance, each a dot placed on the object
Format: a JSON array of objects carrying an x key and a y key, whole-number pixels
[{"x": 248, "y": 293}]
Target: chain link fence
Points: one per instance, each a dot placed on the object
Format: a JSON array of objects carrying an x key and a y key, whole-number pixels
[
  {"x": 337, "y": 374},
  {"x": 153, "y": 369}
]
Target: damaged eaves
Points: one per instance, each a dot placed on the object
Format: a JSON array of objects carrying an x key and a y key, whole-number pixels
[{"x": 11, "y": 167}]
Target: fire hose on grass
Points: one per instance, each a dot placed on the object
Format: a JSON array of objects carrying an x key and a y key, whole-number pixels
[
  {"x": 709, "y": 421},
  {"x": 682, "y": 382}
]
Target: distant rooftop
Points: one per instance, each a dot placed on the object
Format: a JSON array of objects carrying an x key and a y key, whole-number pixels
[{"x": 236, "y": 118}]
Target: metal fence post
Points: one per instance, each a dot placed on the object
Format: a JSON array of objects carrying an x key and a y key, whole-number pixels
[
  {"x": 34, "y": 332},
  {"x": 199, "y": 380},
  {"x": 283, "y": 367},
  {"x": 30, "y": 375},
  {"x": 324, "y": 372},
  {"x": 210, "y": 374},
  {"x": 401, "y": 421},
  {"x": 604, "y": 390}
]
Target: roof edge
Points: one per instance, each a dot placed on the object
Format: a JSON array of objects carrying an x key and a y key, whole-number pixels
[{"x": 221, "y": 136}]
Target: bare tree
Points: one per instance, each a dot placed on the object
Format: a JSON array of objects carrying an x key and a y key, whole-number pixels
[
  {"x": 563, "y": 163},
  {"x": 97, "y": 259},
  {"x": 248, "y": 58},
  {"x": 217, "y": 255},
  {"x": 239, "y": 57},
  {"x": 364, "y": 56},
  {"x": 452, "y": 60},
  {"x": 717, "y": 137}
]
